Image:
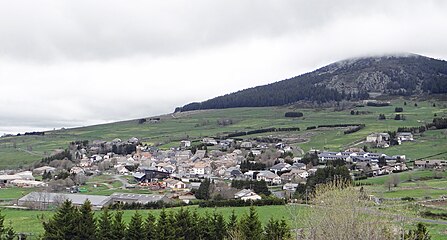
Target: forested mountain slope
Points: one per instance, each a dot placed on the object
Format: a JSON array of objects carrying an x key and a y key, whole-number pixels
[{"x": 350, "y": 79}]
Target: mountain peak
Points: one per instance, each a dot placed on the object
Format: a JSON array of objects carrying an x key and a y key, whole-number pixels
[{"x": 350, "y": 79}]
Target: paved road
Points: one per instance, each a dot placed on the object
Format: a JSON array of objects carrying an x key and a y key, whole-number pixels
[{"x": 123, "y": 181}]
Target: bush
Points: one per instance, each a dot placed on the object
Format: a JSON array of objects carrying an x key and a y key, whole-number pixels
[
  {"x": 377, "y": 104},
  {"x": 399, "y": 117},
  {"x": 410, "y": 199},
  {"x": 242, "y": 203},
  {"x": 398, "y": 109},
  {"x": 293, "y": 114}
]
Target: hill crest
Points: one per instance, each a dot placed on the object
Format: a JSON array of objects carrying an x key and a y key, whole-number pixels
[{"x": 351, "y": 79}]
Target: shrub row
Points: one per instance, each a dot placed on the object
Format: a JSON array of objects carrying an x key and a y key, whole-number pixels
[
  {"x": 242, "y": 203},
  {"x": 354, "y": 129},
  {"x": 150, "y": 205},
  {"x": 238, "y": 134}
]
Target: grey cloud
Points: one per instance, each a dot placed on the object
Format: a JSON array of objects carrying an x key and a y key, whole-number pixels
[
  {"x": 75, "y": 63},
  {"x": 86, "y": 30}
]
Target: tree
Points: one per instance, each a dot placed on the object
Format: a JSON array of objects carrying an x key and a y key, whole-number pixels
[
  {"x": 105, "y": 226},
  {"x": 250, "y": 226},
  {"x": 338, "y": 212},
  {"x": 388, "y": 184},
  {"x": 277, "y": 230},
  {"x": 63, "y": 224},
  {"x": 260, "y": 187},
  {"x": 135, "y": 230},
  {"x": 10, "y": 233},
  {"x": 219, "y": 226},
  {"x": 164, "y": 228},
  {"x": 205, "y": 227},
  {"x": 87, "y": 223},
  {"x": 395, "y": 180},
  {"x": 420, "y": 233},
  {"x": 233, "y": 228},
  {"x": 2, "y": 225},
  {"x": 149, "y": 227},
  {"x": 118, "y": 226},
  {"x": 204, "y": 190},
  {"x": 184, "y": 224}
]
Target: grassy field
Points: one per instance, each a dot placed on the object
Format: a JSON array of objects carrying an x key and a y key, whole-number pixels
[
  {"x": 28, "y": 221},
  {"x": 23, "y": 150},
  {"x": 33, "y": 219}
]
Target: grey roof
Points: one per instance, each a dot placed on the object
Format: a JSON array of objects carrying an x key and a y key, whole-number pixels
[
  {"x": 76, "y": 199},
  {"x": 139, "y": 175},
  {"x": 141, "y": 198},
  {"x": 280, "y": 166}
]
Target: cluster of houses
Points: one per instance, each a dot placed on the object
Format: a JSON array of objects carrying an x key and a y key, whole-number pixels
[
  {"x": 383, "y": 140},
  {"x": 181, "y": 169},
  {"x": 20, "y": 179},
  {"x": 373, "y": 164}
]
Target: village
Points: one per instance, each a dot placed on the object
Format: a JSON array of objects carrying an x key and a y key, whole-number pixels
[{"x": 149, "y": 174}]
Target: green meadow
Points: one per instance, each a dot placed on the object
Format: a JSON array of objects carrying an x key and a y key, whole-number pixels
[
  {"x": 24, "y": 150},
  {"x": 30, "y": 221}
]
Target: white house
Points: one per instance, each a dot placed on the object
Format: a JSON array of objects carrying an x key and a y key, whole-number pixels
[
  {"x": 211, "y": 141},
  {"x": 247, "y": 194},
  {"x": 404, "y": 136},
  {"x": 268, "y": 177},
  {"x": 185, "y": 144}
]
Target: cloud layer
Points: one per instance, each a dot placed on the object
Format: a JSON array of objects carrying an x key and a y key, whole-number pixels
[{"x": 74, "y": 63}]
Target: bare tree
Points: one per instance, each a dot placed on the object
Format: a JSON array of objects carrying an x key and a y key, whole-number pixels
[
  {"x": 395, "y": 179},
  {"x": 340, "y": 212}
]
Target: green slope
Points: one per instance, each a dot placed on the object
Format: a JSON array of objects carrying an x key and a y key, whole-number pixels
[{"x": 23, "y": 150}]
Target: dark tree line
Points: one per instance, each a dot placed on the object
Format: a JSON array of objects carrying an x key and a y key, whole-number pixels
[
  {"x": 377, "y": 104},
  {"x": 70, "y": 222},
  {"x": 438, "y": 123},
  {"x": 248, "y": 165},
  {"x": 259, "y": 187},
  {"x": 58, "y": 156},
  {"x": 257, "y": 131}
]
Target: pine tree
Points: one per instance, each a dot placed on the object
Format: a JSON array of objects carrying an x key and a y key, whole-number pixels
[
  {"x": 135, "y": 230},
  {"x": 63, "y": 224},
  {"x": 183, "y": 226},
  {"x": 232, "y": 226},
  {"x": 271, "y": 229},
  {"x": 2, "y": 226},
  {"x": 164, "y": 229},
  {"x": 150, "y": 227},
  {"x": 250, "y": 226},
  {"x": 105, "y": 226},
  {"x": 10, "y": 233},
  {"x": 204, "y": 190},
  {"x": 277, "y": 230},
  {"x": 205, "y": 227},
  {"x": 118, "y": 226},
  {"x": 232, "y": 223},
  {"x": 219, "y": 226},
  {"x": 87, "y": 222}
]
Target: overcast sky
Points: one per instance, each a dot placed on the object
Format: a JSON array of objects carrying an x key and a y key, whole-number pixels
[{"x": 76, "y": 63}]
